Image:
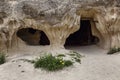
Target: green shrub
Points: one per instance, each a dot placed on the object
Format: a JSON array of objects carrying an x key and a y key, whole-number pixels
[
  {"x": 113, "y": 50},
  {"x": 2, "y": 58},
  {"x": 52, "y": 63}
]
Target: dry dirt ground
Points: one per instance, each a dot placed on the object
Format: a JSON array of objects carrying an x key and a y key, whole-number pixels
[{"x": 95, "y": 65}]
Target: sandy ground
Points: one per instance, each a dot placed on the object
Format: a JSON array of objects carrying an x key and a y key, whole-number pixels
[{"x": 96, "y": 65}]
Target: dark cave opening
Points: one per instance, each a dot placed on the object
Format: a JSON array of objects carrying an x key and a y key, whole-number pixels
[
  {"x": 44, "y": 39},
  {"x": 83, "y": 36},
  {"x": 33, "y": 36}
]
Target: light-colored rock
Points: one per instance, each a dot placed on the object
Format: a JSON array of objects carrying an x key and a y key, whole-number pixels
[{"x": 58, "y": 19}]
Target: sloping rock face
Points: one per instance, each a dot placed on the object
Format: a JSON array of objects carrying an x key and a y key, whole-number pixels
[{"x": 58, "y": 19}]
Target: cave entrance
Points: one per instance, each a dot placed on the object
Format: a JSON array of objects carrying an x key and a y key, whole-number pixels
[
  {"x": 83, "y": 36},
  {"x": 33, "y": 37}
]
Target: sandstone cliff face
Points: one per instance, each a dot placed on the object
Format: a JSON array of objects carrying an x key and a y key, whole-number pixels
[{"x": 58, "y": 19}]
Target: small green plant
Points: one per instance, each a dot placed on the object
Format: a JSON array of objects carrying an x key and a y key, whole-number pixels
[
  {"x": 2, "y": 58},
  {"x": 26, "y": 60},
  {"x": 76, "y": 56},
  {"x": 52, "y": 63},
  {"x": 61, "y": 55},
  {"x": 68, "y": 63},
  {"x": 77, "y": 60},
  {"x": 113, "y": 50}
]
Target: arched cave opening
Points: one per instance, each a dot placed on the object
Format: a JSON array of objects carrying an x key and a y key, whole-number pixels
[
  {"x": 83, "y": 36},
  {"x": 33, "y": 36}
]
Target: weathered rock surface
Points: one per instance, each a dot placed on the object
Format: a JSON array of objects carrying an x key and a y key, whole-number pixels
[{"x": 58, "y": 19}]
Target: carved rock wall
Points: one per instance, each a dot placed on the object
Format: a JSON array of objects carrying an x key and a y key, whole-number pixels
[
  {"x": 108, "y": 26},
  {"x": 58, "y": 19}
]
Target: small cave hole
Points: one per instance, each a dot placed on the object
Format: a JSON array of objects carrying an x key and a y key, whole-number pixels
[{"x": 33, "y": 36}]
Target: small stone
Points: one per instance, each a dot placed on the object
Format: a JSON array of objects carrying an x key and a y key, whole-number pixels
[
  {"x": 19, "y": 65},
  {"x": 13, "y": 61},
  {"x": 22, "y": 71}
]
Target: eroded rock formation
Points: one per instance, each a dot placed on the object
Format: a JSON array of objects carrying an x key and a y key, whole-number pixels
[{"x": 58, "y": 19}]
